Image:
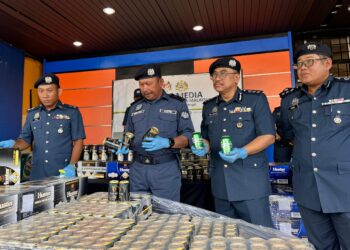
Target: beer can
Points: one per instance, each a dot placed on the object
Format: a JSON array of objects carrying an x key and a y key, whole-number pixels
[
  {"x": 124, "y": 193},
  {"x": 113, "y": 190},
  {"x": 127, "y": 139},
  {"x": 112, "y": 143},
  {"x": 226, "y": 144},
  {"x": 197, "y": 140},
  {"x": 152, "y": 132}
]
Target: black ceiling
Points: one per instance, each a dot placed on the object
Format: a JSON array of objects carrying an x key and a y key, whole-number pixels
[{"x": 47, "y": 28}]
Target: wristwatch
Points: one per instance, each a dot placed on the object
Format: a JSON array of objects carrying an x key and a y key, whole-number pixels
[{"x": 171, "y": 142}]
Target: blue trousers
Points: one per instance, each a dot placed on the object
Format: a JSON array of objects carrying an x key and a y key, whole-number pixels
[
  {"x": 162, "y": 180},
  {"x": 327, "y": 231},
  {"x": 256, "y": 211}
]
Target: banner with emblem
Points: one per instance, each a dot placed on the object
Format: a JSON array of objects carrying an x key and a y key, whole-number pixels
[{"x": 195, "y": 88}]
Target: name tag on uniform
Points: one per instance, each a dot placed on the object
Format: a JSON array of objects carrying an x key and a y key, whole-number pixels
[
  {"x": 168, "y": 111},
  {"x": 138, "y": 112}
]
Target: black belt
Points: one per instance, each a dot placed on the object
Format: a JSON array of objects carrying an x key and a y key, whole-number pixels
[{"x": 152, "y": 160}]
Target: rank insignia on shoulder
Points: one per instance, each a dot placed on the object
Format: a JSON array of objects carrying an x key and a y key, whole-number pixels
[
  {"x": 251, "y": 91},
  {"x": 288, "y": 91},
  {"x": 31, "y": 109},
  {"x": 177, "y": 97},
  {"x": 211, "y": 99}
]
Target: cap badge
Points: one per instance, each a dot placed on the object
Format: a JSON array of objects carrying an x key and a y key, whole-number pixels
[
  {"x": 232, "y": 63},
  {"x": 311, "y": 47},
  {"x": 150, "y": 72},
  {"x": 48, "y": 79}
]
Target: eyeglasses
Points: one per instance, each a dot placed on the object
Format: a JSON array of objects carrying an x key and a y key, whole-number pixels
[
  {"x": 221, "y": 75},
  {"x": 307, "y": 63}
]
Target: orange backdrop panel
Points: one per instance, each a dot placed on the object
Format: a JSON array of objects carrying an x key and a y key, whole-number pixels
[
  {"x": 87, "y": 79},
  {"x": 87, "y": 97},
  {"x": 97, "y": 115},
  {"x": 95, "y": 135},
  {"x": 269, "y": 72},
  {"x": 270, "y": 84},
  {"x": 88, "y": 90},
  {"x": 253, "y": 64}
]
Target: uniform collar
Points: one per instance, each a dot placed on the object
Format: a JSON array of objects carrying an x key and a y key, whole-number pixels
[
  {"x": 238, "y": 97},
  {"x": 163, "y": 96},
  {"x": 325, "y": 85},
  {"x": 59, "y": 105}
]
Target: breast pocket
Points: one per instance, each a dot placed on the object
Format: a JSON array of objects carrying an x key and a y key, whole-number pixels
[
  {"x": 338, "y": 115},
  {"x": 242, "y": 123},
  {"x": 61, "y": 127},
  {"x": 168, "y": 124},
  {"x": 138, "y": 121},
  {"x": 212, "y": 124},
  {"x": 36, "y": 127}
]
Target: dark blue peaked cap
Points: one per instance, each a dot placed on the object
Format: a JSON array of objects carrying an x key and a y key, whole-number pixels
[
  {"x": 47, "y": 79},
  {"x": 148, "y": 71},
  {"x": 312, "y": 48}
]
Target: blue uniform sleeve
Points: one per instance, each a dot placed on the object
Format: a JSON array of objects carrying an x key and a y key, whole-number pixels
[
  {"x": 26, "y": 132},
  {"x": 286, "y": 128},
  {"x": 185, "y": 125},
  {"x": 264, "y": 124},
  {"x": 125, "y": 119},
  {"x": 77, "y": 128},
  {"x": 129, "y": 124},
  {"x": 204, "y": 127}
]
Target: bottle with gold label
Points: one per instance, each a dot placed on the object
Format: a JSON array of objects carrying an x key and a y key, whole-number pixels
[
  {"x": 103, "y": 154},
  {"x": 86, "y": 156},
  {"x": 94, "y": 154}
]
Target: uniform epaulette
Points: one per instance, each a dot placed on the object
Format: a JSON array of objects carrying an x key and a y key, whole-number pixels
[
  {"x": 209, "y": 100},
  {"x": 177, "y": 97},
  {"x": 35, "y": 108},
  {"x": 69, "y": 106},
  {"x": 343, "y": 79},
  {"x": 288, "y": 91},
  {"x": 252, "y": 91},
  {"x": 138, "y": 100}
]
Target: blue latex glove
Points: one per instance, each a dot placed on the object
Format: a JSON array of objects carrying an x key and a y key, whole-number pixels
[
  {"x": 156, "y": 143},
  {"x": 7, "y": 144},
  {"x": 235, "y": 154},
  {"x": 69, "y": 171},
  {"x": 200, "y": 152},
  {"x": 123, "y": 150}
]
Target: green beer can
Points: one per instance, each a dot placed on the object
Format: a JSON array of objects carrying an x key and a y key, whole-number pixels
[
  {"x": 197, "y": 140},
  {"x": 226, "y": 144}
]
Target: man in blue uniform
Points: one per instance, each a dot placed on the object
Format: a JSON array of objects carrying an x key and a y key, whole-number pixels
[
  {"x": 240, "y": 179},
  {"x": 54, "y": 130},
  {"x": 137, "y": 96},
  {"x": 316, "y": 118},
  {"x": 156, "y": 167}
]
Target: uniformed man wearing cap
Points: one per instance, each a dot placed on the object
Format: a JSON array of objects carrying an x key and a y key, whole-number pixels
[
  {"x": 156, "y": 167},
  {"x": 316, "y": 118},
  {"x": 240, "y": 179},
  {"x": 54, "y": 130},
  {"x": 137, "y": 96}
]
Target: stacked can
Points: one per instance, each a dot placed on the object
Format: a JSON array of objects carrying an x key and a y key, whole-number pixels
[{"x": 119, "y": 190}]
